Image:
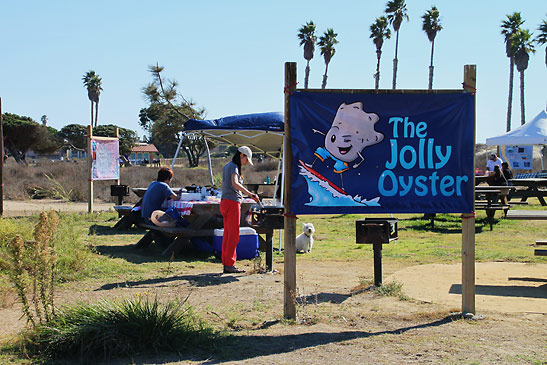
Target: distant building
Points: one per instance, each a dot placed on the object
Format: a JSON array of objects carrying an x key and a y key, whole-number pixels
[{"x": 143, "y": 153}]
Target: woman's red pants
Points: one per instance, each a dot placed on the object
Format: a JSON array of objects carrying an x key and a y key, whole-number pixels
[{"x": 231, "y": 214}]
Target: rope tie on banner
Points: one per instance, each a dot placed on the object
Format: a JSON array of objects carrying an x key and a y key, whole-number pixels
[
  {"x": 468, "y": 87},
  {"x": 287, "y": 89},
  {"x": 473, "y": 215},
  {"x": 290, "y": 215}
]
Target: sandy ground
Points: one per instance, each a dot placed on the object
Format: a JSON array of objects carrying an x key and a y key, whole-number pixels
[{"x": 500, "y": 286}]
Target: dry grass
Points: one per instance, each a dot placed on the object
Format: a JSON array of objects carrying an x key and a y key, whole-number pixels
[{"x": 32, "y": 182}]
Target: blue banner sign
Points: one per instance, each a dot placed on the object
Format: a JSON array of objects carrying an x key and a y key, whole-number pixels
[{"x": 382, "y": 153}]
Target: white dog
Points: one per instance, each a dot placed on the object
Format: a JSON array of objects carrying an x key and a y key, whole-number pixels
[{"x": 304, "y": 241}]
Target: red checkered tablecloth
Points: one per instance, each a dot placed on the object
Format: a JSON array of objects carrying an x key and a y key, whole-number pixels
[{"x": 184, "y": 207}]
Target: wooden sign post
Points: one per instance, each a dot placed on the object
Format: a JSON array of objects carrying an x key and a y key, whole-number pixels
[
  {"x": 289, "y": 260},
  {"x": 90, "y": 169},
  {"x": 2, "y": 162},
  {"x": 468, "y": 220}
]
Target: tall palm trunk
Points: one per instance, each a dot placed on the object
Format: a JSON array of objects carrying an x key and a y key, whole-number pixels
[
  {"x": 324, "y": 84},
  {"x": 430, "y": 86},
  {"x": 395, "y": 61},
  {"x": 96, "y": 112},
  {"x": 510, "y": 98},
  {"x": 91, "y": 122},
  {"x": 379, "y": 55},
  {"x": 522, "y": 117},
  {"x": 307, "y": 77}
]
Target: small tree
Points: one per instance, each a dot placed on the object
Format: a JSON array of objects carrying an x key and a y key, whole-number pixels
[
  {"x": 22, "y": 134},
  {"x": 165, "y": 117}
]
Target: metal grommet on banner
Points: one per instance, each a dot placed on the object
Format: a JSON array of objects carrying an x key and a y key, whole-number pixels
[{"x": 287, "y": 89}]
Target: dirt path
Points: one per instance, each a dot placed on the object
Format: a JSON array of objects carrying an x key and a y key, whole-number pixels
[
  {"x": 506, "y": 287},
  {"x": 19, "y": 208}
]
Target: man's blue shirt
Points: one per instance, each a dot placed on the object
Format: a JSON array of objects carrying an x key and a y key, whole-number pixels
[{"x": 156, "y": 193}]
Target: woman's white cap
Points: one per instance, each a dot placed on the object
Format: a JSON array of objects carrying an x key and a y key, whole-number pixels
[{"x": 247, "y": 152}]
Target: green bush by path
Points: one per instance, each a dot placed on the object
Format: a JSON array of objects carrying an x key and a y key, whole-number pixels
[{"x": 120, "y": 328}]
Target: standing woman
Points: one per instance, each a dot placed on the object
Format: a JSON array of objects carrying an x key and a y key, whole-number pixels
[{"x": 230, "y": 205}]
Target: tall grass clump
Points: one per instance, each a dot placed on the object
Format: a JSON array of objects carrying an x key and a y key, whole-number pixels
[
  {"x": 31, "y": 269},
  {"x": 116, "y": 328}
]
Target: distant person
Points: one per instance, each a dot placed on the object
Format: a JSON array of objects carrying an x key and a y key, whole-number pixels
[
  {"x": 156, "y": 193},
  {"x": 498, "y": 179},
  {"x": 494, "y": 160},
  {"x": 230, "y": 206},
  {"x": 507, "y": 172}
]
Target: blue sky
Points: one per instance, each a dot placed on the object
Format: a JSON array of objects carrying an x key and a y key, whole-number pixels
[{"x": 228, "y": 56}]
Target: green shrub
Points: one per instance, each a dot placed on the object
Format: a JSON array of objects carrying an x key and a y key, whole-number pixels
[{"x": 120, "y": 328}]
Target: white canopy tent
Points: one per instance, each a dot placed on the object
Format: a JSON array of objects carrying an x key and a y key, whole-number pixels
[{"x": 532, "y": 132}]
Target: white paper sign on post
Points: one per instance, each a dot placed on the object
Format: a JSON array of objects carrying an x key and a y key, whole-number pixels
[{"x": 105, "y": 158}]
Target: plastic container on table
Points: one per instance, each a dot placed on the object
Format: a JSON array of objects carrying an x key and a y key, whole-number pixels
[{"x": 190, "y": 196}]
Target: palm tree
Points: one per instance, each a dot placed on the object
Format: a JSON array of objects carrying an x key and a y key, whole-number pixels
[
  {"x": 307, "y": 37},
  {"x": 542, "y": 37},
  {"x": 431, "y": 26},
  {"x": 396, "y": 11},
  {"x": 508, "y": 28},
  {"x": 522, "y": 44},
  {"x": 326, "y": 44},
  {"x": 97, "y": 85},
  {"x": 378, "y": 31},
  {"x": 93, "y": 83}
]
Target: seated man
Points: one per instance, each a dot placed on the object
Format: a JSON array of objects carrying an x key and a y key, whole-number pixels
[
  {"x": 494, "y": 160},
  {"x": 156, "y": 193}
]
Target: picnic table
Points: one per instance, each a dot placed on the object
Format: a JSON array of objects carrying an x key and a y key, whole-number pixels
[
  {"x": 492, "y": 198},
  {"x": 203, "y": 217},
  {"x": 531, "y": 187},
  {"x": 479, "y": 179}
]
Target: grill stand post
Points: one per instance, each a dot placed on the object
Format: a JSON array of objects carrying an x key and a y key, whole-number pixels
[{"x": 377, "y": 248}]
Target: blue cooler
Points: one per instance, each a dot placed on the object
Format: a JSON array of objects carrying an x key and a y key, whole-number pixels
[{"x": 247, "y": 248}]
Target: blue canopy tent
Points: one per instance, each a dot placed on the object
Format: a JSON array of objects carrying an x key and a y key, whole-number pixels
[{"x": 262, "y": 132}]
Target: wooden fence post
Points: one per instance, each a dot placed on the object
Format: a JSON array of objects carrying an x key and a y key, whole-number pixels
[
  {"x": 2, "y": 162},
  {"x": 290, "y": 222},
  {"x": 118, "y": 181},
  {"x": 468, "y": 219},
  {"x": 89, "y": 167}
]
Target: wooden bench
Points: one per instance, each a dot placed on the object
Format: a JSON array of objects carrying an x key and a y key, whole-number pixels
[
  {"x": 123, "y": 209},
  {"x": 176, "y": 238},
  {"x": 540, "y": 251},
  {"x": 490, "y": 210},
  {"x": 527, "y": 214}
]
